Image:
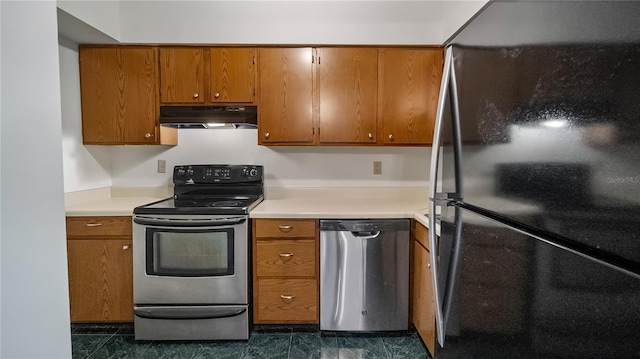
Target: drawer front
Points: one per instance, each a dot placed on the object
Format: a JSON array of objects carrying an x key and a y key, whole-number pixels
[
  {"x": 286, "y": 228},
  {"x": 287, "y": 301},
  {"x": 99, "y": 226},
  {"x": 421, "y": 233},
  {"x": 286, "y": 258}
]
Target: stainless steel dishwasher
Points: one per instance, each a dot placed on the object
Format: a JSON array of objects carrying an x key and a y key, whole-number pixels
[{"x": 364, "y": 275}]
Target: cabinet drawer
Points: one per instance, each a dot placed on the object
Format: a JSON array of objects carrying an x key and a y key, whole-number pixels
[
  {"x": 99, "y": 226},
  {"x": 421, "y": 234},
  {"x": 288, "y": 228},
  {"x": 287, "y": 301},
  {"x": 286, "y": 257}
]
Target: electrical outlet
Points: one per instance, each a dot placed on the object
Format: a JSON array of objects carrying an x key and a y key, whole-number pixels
[
  {"x": 162, "y": 166},
  {"x": 377, "y": 167}
]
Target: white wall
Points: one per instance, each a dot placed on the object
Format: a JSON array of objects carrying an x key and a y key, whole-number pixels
[
  {"x": 284, "y": 166},
  {"x": 0, "y": 180},
  {"x": 104, "y": 16},
  {"x": 35, "y": 305},
  {"x": 85, "y": 167},
  {"x": 281, "y": 22},
  {"x": 457, "y": 13}
]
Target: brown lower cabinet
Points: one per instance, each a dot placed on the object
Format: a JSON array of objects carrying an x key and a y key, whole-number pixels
[
  {"x": 100, "y": 269},
  {"x": 285, "y": 271},
  {"x": 423, "y": 303}
]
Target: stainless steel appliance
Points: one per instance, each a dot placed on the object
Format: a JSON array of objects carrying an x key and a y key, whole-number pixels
[
  {"x": 190, "y": 255},
  {"x": 536, "y": 175},
  {"x": 209, "y": 117},
  {"x": 364, "y": 275}
]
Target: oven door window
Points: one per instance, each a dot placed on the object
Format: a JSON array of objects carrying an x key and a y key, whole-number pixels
[{"x": 189, "y": 253}]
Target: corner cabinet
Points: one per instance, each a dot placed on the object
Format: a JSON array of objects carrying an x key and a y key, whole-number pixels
[
  {"x": 119, "y": 96},
  {"x": 422, "y": 298},
  {"x": 207, "y": 75},
  {"x": 285, "y": 274},
  {"x": 408, "y": 90},
  {"x": 100, "y": 265}
]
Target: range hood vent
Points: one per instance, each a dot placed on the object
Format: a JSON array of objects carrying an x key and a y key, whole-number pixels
[{"x": 209, "y": 117}]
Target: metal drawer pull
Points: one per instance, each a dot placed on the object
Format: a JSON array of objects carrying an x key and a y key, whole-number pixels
[
  {"x": 428, "y": 265},
  {"x": 287, "y": 298},
  {"x": 94, "y": 224},
  {"x": 124, "y": 248},
  {"x": 285, "y": 228},
  {"x": 286, "y": 256}
]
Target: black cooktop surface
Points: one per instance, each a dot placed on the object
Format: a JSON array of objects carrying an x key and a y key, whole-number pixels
[{"x": 201, "y": 205}]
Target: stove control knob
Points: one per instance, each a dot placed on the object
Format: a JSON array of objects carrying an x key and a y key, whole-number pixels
[
  {"x": 253, "y": 172},
  {"x": 189, "y": 171},
  {"x": 181, "y": 171}
]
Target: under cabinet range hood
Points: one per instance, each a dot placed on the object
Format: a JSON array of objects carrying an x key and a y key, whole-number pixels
[{"x": 209, "y": 117}]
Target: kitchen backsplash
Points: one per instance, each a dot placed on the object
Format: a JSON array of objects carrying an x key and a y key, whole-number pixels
[{"x": 284, "y": 166}]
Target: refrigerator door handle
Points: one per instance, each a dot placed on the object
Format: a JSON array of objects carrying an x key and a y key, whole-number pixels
[{"x": 435, "y": 196}]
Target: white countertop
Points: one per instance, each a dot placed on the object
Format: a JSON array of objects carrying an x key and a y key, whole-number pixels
[
  {"x": 358, "y": 203},
  {"x": 351, "y": 203},
  {"x": 110, "y": 202}
]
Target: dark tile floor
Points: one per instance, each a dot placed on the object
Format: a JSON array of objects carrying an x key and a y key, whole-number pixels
[{"x": 116, "y": 341}]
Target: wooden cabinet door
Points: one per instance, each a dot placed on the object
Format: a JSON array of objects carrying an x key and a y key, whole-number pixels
[
  {"x": 100, "y": 280},
  {"x": 423, "y": 303},
  {"x": 285, "y": 86},
  {"x": 408, "y": 89},
  {"x": 348, "y": 95},
  {"x": 119, "y": 95},
  {"x": 233, "y": 74},
  {"x": 182, "y": 75}
]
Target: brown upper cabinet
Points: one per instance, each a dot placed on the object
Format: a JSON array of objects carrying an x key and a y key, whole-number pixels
[
  {"x": 207, "y": 75},
  {"x": 348, "y": 95},
  {"x": 119, "y": 96},
  {"x": 285, "y": 107},
  {"x": 408, "y": 89}
]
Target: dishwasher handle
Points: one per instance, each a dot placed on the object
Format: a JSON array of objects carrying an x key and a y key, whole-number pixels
[{"x": 366, "y": 234}]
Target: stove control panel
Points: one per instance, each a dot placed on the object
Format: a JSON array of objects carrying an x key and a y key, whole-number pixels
[{"x": 203, "y": 174}]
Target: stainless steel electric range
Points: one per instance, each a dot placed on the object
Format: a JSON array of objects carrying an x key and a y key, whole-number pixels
[{"x": 190, "y": 255}]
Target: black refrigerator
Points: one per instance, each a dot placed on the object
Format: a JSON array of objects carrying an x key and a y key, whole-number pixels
[{"x": 535, "y": 183}]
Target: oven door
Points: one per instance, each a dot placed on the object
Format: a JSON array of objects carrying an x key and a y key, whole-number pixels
[{"x": 197, "y": 259}]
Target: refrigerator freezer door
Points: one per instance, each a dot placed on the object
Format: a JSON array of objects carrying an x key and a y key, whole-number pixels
[
  {"x": 550, "y": 138},
  {"x": 511, "y": 295}
]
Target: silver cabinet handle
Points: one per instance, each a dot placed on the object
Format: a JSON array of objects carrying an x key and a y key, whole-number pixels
[
  {"x": 147, "y": 135},
  {"x": 287, "y": 298},
  {"x": 124, "y": 248},
  {"x": 391, "y": 137},
  {"x": 370, "y": 136},
  {"x": 286, "y": 256},
  {"x": 216, "y": 95},
  {"x": 266, "y": 135},
  {"x": 196, "y": 95},
  {"x": 285, "y": 228},
  {"x": 94, "y": 224},
  {"x": 428, "y": 265}
]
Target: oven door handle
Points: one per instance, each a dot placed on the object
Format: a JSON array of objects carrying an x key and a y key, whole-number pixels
[
  {"x": 211, "y": 222},
  {"x": 191, "y": 312}
]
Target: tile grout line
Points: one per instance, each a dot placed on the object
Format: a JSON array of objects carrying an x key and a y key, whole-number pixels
[
  {"x": 100, "y": 346},
  {"x": 290, "y": 342}
]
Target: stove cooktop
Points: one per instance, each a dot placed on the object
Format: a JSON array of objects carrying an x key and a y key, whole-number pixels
[
  {"x": 211, "y": 190},
  {"x": 236, "y": 205}
]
